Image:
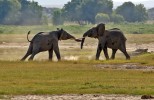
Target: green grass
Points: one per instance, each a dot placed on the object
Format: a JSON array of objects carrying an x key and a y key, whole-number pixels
[
  {"x": 17, "y": 78},
  {"x": 77, "y": 77},
  {"x": 144, "y": 59},
  {"x": 133, "y": 27},
  {"x": 73, "y": 29},
  {"x": 77, "y": 29}
]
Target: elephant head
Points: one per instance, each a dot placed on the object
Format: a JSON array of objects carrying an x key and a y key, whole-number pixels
[
  {"x": 63, "y": 35},
  {"x": 94, "y": 32}
]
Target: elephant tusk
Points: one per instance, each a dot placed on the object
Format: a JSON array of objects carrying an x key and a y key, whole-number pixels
[{"x": 80, "y": 38}]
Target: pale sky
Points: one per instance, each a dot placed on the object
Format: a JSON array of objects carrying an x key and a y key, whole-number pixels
[{"x": 62, "y": 2}]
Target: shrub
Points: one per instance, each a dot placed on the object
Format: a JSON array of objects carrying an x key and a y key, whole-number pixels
[
  {"x": 116, "y": 18},
  {"x": 102, "y": 18}
]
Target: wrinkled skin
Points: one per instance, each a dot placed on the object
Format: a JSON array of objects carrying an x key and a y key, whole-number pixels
[
  {"x": 112, "y": 38},
  {"x": 47, "y": 41}
]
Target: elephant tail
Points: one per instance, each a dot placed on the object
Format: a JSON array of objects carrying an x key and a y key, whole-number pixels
[{"x": 27, "y": 36}]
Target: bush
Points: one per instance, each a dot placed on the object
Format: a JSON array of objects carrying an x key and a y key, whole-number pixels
[
  {"x": 102, "y": 18},
  {"x": 116, "y": 18}
]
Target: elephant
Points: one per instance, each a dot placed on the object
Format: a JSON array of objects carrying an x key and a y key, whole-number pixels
[
  {"x": 47, "y": 41},
  {"x": 112, "y": 38}
]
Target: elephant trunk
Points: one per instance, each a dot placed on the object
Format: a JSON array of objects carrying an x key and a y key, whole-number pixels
[
  {"x": 82, "y": 42},
  {"x": 83, "y": 39},
  {"x": 67, "y": 36},
  {"x": 73, "y": 38}
]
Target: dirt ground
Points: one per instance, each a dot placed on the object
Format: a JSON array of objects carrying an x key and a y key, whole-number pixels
[
  {"x": 75, "y": 97},
  {"x": 69, "y": 51}
]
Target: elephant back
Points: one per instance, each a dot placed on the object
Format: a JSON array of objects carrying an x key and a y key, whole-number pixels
[{"x": 117, "y": 33}]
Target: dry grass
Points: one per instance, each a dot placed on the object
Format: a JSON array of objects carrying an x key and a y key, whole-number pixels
[
  {"x": 140, "y": 38},
  {"x": 13, "y": 47}
]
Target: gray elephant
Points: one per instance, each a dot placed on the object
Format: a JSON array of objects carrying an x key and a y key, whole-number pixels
[
  {"x": 112, "y": 38},
  {"x": 47, "y": 41}
]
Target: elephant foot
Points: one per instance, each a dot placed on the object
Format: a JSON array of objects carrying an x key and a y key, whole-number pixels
[
  {"x": 50, "y": 60},
  {"x": 97, "y": 59},
  {"x": 128, "y": 58},
  {"x": 111, "y": 59},
  {"x": 30, "y": 59},
  {"x": 59, "y": 59},
  {"x": 22, "y": 59},
  {"x": 107, "y": 59}
]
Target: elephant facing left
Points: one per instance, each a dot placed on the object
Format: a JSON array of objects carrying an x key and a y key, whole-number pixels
[{"x": 47, "y": 41}]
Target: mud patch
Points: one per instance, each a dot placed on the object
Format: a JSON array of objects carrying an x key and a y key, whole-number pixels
[{"x": 129, "y": 66}]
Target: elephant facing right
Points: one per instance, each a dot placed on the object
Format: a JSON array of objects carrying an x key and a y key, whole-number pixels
[
  {"x": 47, "y": 41},
  {"x": 112, "y": 38}
]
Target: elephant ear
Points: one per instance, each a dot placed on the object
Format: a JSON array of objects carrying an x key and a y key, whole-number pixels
[
  {"x": 61, "y": 33},
  {"x": 100, "y": 28}
]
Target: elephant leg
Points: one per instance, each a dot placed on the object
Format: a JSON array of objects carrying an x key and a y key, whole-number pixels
[
  {"x": 99, "y": 49},
  {"x": 32, "y": 56},
  {"x": 113, "y": 53},
  {"x": 106, "y": 53},
  {"x": 51, "y": 54},
  {"x": 29, "y": 52},
  {"x": 34, "y": 52},
  {"x": 56, "y": 50},
  {"x": 123, "y": 49}
]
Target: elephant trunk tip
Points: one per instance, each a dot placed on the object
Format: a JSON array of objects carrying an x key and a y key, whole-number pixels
[{"x": 82, "y": 42}]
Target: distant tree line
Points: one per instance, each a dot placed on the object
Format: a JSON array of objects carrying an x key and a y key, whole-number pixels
[
  {"x": 24, "y": 12},
  {"x": 20, "y": 12},
  {"x": 96, "y": 11},
  {"x": 151, "y": 14},
  {"x": 131, "y": 12}
]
